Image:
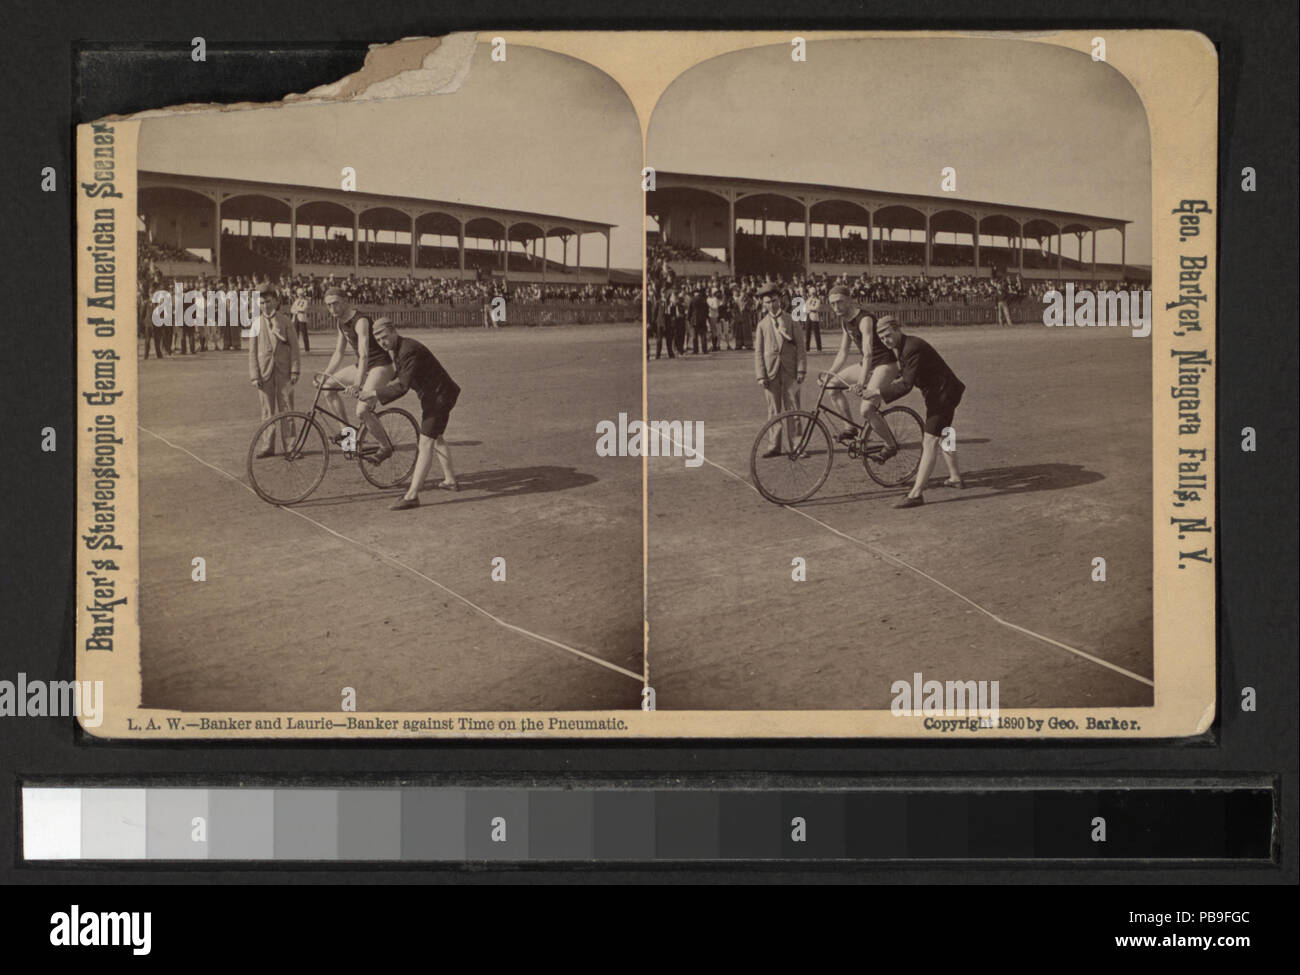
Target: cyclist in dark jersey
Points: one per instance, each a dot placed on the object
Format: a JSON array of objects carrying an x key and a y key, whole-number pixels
[
  {"x": 372, "y": 369},
  {"x": 876, "y": 369}
]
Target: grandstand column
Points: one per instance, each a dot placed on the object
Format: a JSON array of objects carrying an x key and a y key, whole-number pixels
[
  {"x": 807, "y": 236},
  {"x": 871, "y": 244},
  {"x": 293, "y": 238},
  {"x": 1060, "y": 249},
  {"x": 606, "y": 256},
  {"x": 731, "y": 231},
  {"x": 545, "y": 231},
  {"x": 927, "y": 243},
  {"x": 1094, "y": 250},
  {"x": 505, "y": 252},
  {"x": 460, "y": 244},
  {"x": 578, "y": 269},
  {"x": 975, "y": 238},
  {"x": 356, "y": 241},
  {"x": 412, "y": 216},
  {"x": 216, "y": 234},
  {"x": 1123, "y": 257}
]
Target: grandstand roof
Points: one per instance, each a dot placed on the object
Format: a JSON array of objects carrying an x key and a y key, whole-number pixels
[
  {"x": 254, "y": 200},
  {"x": 783, "y": 200}
]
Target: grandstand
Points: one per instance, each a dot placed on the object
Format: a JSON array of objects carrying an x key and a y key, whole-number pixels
[
  {"x": 197, "y": 225},
  {"x": 863, "y": 232}
]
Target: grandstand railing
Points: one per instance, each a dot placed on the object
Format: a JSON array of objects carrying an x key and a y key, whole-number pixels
[
  {"x": 471, "y": 314},
  {"x": 1027, "y": 309},
  {"x": 700, "y": 269}
]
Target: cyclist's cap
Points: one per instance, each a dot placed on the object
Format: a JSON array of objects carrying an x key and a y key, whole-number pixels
[
  {"x": 334, "y": 293},
  {"x": 887, "y": 321},
  {"x": 382, "y": 323},
  {"x": 840, "y": 291},
  {"x": 768, "y": 289}
]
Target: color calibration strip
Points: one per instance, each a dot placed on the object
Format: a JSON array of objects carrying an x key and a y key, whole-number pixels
[{"x": 500, "y": 824}]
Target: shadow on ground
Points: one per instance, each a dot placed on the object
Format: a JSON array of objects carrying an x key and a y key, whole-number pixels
[
  {"x": 477, "y": 486},
  {"x": 992, "y": 483}
]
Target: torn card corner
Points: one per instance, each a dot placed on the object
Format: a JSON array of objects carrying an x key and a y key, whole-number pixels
[
  {"x": 407, "y": 67},
  {"x": 410, "y": 66}
]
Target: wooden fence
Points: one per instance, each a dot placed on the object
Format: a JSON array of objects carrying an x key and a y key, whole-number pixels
[{"x": 471, "y": 314}]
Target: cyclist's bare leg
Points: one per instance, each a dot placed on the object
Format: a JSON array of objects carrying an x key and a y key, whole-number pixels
[
  {"x": 850, "y": 376},
  {"x": 376, "y": 377},
  {"x": 333, "y": 397},
  {"x": 881, "y": 377}
]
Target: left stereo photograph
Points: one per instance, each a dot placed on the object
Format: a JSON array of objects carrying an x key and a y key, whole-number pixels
[{"x": 335, "y": 478}]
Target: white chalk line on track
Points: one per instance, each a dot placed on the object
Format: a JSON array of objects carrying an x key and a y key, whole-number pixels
[
  {"x": 402, "y": 565},
  {"x": 895, "y": 560}
]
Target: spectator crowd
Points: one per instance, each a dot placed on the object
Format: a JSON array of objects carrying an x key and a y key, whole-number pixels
[{"x": 699, "y": 315}]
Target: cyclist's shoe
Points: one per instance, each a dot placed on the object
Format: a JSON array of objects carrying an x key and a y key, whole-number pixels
[
  {"x": 847, "y": 437},
  {"x": 773, "y": 452},
  {"x": 380, "y": 455},
  {"x": 263, "y": 454},
  {"x": 886, "y": 452},
  {"x": 954, "y": 482},
  {"x": 404, "y": 504},
  {"x": 910, "y": 502},
  {"x": 339, "y": 438}
]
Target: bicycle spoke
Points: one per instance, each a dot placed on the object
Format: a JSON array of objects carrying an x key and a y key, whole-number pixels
[
  {"x": 800, "y": 468},
  {"x": 906, "y": 428},
  {"x": 403, "y": 436},
  {"x": 286, "y": 476}
]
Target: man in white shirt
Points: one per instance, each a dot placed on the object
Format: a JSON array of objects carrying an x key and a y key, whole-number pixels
[
  {"x": 298, "y": 311},
  {"x": 814, "y": 308}
]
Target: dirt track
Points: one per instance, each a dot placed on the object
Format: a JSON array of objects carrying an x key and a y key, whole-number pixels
[
  {"x": 290, "y": 613},
  {"x": 1054, "y": 439}
]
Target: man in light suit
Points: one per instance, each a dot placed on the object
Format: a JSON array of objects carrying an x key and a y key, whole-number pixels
[
  {"x": 780, "y": 361},
  {"x": 273, "y": 365}
]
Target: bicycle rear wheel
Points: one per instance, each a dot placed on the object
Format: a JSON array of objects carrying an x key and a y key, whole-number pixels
[
  {"x": 404, "y": 435},
  {"x": 291, "y": 473},
  {"x": 793, "y": 475},
  {"x": 906, "y": 427}
]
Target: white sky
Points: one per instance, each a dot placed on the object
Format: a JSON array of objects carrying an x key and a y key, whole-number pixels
[
  {"x": 1022, "y": 123},
  {"x": 539, "y": 132}
]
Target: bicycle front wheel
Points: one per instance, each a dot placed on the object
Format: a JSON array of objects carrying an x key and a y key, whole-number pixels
[
  {"x": 803, "y": 462},
  {"x": 404, "y": 436},
  {"x": 908, "y": 432},
  {"x": 296, "y": 457}
]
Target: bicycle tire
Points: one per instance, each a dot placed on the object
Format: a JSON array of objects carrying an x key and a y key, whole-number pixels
[
  {"x": 404, "y": 433},
  {"x": 786, "y": 479},
  {"x": 908, "y": 430},
  {"x": 285, "y": 479}
]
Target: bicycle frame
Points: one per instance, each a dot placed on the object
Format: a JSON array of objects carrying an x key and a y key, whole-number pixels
[
  {"x": 317, "y": 408},
  {"x": 821, "y": 408}
]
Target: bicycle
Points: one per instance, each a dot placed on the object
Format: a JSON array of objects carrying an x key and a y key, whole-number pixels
[
  {"x": 292, "y": 474},
  {"x": 798, "y": 473}
]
